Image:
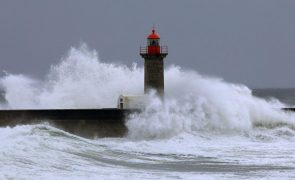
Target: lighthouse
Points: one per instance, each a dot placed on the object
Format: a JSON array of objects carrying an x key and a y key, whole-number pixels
[{"x": 153, "y": 55}]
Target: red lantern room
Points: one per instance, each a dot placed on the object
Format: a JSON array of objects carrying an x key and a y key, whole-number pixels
[
  {"x": 153, "y": 41},
  {"x": 153, "y": 45}
]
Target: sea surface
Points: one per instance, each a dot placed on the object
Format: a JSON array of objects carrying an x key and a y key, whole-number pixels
[
  {"x": 45, "y": 152},
  {"x": 205, "y": 129}
]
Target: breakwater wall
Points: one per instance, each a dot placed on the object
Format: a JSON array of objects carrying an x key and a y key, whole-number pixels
[{"x": 82, "y": 122}]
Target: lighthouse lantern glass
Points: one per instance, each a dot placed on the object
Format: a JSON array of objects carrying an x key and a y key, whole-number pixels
[{"x": 153, "y": 42}]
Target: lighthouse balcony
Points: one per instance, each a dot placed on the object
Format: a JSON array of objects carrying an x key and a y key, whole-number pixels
[{"x": 154, "y": 51}]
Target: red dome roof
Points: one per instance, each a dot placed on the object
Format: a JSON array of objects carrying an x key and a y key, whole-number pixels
[{"x": 153, "y": 35}]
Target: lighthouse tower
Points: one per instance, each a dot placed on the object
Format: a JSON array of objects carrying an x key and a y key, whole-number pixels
[{"x": 154, "y": 55}]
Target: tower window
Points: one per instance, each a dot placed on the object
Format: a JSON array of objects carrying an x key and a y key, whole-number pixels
[{"x": 153, "y": 42}]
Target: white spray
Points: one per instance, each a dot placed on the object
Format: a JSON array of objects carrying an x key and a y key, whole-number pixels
[
  {"x": 193, "y": 103},
  {"x": 79, "y": 81}
]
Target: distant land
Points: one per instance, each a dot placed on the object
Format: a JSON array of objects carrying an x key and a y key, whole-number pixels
[{"x": 285, "y": 95}]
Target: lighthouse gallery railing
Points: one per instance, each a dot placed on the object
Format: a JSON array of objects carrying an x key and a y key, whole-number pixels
[{"x": 144, "y": 49}]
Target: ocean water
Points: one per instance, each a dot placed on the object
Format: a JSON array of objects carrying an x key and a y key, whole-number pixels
[{"x": 206, "y": 128}]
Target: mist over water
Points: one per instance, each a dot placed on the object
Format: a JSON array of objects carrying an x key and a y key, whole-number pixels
[{"x": 202, "y": 119}]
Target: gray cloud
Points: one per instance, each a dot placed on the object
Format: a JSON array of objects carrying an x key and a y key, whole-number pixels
[{"x": 250, "y": 42}]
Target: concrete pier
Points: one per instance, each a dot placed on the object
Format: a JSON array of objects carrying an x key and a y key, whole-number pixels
[
  {"x": 83, "y": 122},
  {"x": 289, "y": 109}
]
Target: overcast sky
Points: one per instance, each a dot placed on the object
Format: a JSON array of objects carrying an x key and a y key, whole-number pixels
[{"x": 243, "y": 41}]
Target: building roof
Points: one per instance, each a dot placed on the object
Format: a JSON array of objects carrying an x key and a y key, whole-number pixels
[{"x": 153, "y": 35}]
